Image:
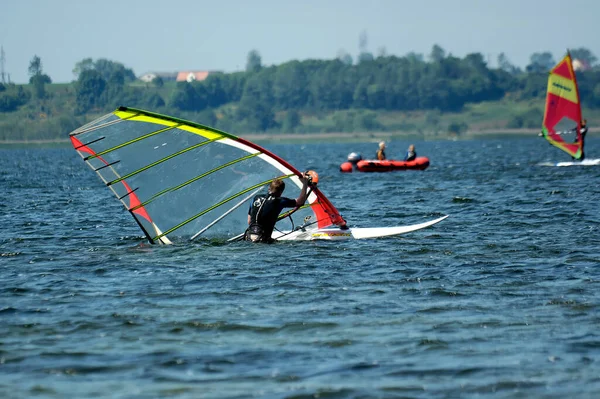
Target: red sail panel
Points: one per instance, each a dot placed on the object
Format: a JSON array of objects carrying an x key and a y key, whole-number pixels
[{"x": 133, "y": 199}]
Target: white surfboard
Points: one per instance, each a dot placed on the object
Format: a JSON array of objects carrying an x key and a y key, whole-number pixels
[
  {"x": 335, "y": 233},
  {"x": 585, "y": 162}
]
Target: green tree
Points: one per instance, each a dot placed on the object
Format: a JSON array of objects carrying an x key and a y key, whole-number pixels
[
  {"x": 115, "y": 84},
  {"x": 89, "y": 91},
  {"x": 12, "y": 98},
  {"x": 437, "y": 53},
  {"x": 108, "y": 68},
  {"x": 207, "y": 117},
  {"x": 186, "y": 98},
  {"x": 39, "y": 83},
  {"x": 255, "y": 117},
  {"x": 253, "y": 61},
  {"x": 290, "y": 86},
  {"x": 540, "y": 62},
  {"x": 215, "y": 89},
  {"x": 105, "y": 67},
  {"x": 344, "y": 57},
  {"x": 35, "y": 66},
  {"x": 153, "y": 100},
  {"x": 158, "y": 82},
  {"x": 366, "y": 121},
  {"x": 37, "y": 77},
  {"x": 365, "y": 57},
  {"x": 457, "y": 127},
  {"x": 291, "y": 121},
  {"x": 84, "y": 65},
  {"x": 505, "y": 64}
]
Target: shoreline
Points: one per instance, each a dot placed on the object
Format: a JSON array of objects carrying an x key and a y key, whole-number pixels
[
  {"x": 334, "y": 136},
  {"x": 341, "y": 136}
]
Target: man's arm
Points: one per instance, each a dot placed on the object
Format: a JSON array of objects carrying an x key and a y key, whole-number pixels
[{"x": 302, "y": 197}]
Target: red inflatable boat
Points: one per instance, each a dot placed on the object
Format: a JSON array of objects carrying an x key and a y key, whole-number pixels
[{"x": 388, "y": 165}]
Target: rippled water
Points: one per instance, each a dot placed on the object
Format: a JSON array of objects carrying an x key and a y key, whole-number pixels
[{"x": 501, "y": 300}]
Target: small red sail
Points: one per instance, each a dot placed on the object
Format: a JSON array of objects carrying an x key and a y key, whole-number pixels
[{"x": 563, "y": 109}]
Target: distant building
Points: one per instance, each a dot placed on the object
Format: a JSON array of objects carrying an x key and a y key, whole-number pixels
[
  {"x": 150, "y": 76},
  {"x": 191, "y": 76},
  {"x": 581, "y": 65},
  {"x": 182, "y": 76}
]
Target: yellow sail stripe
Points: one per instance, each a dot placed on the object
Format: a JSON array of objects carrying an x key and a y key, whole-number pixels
[
  {"x": 133, "y": 116},
  {"x": 98, "y": 154},
  {"x": 562, "y": 87}
]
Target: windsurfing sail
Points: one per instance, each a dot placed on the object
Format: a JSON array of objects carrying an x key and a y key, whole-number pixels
[
  {"x": 180, "y": 179},
  {"x": 563, "y": 109}
]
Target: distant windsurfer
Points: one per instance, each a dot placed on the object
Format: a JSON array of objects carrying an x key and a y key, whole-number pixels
[
  {"x": 265, "y": 209},
  {"x": 411, "y": 154},
  {"x": 381, "y": 151},
  {"x": 583, "y": 131}
]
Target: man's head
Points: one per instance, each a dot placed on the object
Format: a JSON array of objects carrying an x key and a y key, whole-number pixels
[
  {"x": 411, "y": 147},
  {"x": 276, "y": 187},
  {"x": 583, "y": 122},
  {"x": 382, "y": 145}
]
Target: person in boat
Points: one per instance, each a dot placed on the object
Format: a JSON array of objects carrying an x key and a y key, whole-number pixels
[
  {"x": 411, "y": 155},
  {"x": 381, "y": 151},
  {"x": 265, "y": 209}
]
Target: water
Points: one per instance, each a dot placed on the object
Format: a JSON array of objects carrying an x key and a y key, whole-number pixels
[{"x": 501, "y": 300}]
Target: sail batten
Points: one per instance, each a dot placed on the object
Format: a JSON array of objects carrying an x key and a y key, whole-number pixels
[
  {"x": 185, "y": 175},
  {"x": 563, "y": 109}
]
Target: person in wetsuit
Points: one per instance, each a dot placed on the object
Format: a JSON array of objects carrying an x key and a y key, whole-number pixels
[
  {"x": 411, "y": 155},
  {"x": 265, "y": 209},
  {"x": 381, "y": 152},
  {"x": 583, "y": 130}
]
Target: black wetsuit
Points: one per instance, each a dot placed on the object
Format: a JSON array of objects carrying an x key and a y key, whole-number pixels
[
  {"x": 583, "y": 132},
  {"x": 263, "y": 213},
  {"x": 410, "y": 156}
]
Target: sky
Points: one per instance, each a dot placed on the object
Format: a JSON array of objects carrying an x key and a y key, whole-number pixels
[{"x": 169, "y": 36}]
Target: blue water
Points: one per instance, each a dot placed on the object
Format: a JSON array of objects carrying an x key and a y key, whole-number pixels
[{"x": 501, "y": 300}]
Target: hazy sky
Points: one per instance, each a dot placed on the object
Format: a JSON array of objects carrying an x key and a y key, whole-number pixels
[{"x": 159, "y": 35}]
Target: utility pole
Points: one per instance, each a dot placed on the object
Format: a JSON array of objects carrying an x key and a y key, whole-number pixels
[{"x": 2, "y": 59}]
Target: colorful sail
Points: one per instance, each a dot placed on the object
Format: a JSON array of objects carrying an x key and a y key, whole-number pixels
[
  {"x": 563, "y": 109},
  {"x": 180, "y": 179}
]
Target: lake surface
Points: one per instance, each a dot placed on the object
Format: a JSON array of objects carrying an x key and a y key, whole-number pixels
[{"x": 500, "y": 300}]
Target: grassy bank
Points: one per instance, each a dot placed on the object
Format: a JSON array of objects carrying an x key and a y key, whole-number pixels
[{"x": 49, "y": 122}]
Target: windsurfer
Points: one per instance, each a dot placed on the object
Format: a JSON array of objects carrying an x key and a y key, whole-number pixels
[
  {"x": 583, "y": 131},
  {"x": 410, "y": 154},
  {"x": 381, "y": 151},
  {"x": 265, "y": 209}
]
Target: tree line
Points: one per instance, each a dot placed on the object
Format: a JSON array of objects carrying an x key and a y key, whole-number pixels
[{"x": 273, "y": 98}]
